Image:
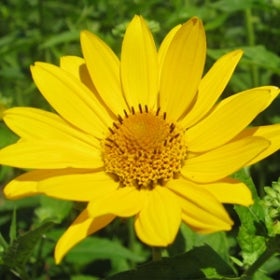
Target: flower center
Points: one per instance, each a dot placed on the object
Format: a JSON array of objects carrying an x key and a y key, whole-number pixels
[{"x": 144, "y": 149}]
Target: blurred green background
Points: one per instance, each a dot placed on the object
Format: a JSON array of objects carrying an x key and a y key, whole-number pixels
[{"x": 45, "y": 30}]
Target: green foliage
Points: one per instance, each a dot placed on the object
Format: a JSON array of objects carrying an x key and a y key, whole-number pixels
[
  {"x": 189, "y": 265},
  {"x": 251, "y": 232},
  {"x": 271, "y": 203},
  {"x": 96, "y": 248},
  {"x": 254, "y": 238},
  {"x": 37, "y": 30},
  {"x": 53, "y": 209},
  {"x": 20, "y": 249}
]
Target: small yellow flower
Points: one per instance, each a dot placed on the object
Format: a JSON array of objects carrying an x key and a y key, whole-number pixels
[{"x": 142, "y": 136}]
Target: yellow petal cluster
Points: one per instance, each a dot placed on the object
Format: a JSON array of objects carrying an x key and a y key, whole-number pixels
[{"x": 142, "y": 136}]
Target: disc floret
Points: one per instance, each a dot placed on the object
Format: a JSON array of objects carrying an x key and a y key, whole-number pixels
[{"x": 144, "y": 149}]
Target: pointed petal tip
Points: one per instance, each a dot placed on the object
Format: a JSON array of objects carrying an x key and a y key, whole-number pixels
[
  {"x": 7, "y": 193},
  {"x": 237, "y": 53},
  {"x": 275, "y": 90},
  {"x": 59, "y": 254},
  {"x": 195, "y": 20},
  {"x": 33, "y": 68},
  {"x": 57, "y": 258},
  {"x": 39, "y": 65},
  {"x": 224, "y": 225},
  {"x": 228, "y": 225},
  {"x": 85, "y": 35},
  {"x": 140, "y": 84},
  {"x": 248, "y": 202},
  {"x": 14, "y": 192},
  {"x": 138, "y": 17}
]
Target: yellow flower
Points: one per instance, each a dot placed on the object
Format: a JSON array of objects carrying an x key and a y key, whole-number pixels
[{"x": 142, "y": 136}]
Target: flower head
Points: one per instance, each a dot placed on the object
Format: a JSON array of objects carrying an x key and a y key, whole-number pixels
[{"x": 142, "y": 136}]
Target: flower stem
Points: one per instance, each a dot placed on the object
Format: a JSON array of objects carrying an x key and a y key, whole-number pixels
[
  {"x": 251, "y": 42},
  {"x": 156, "y": 253},
  {"x": 131, "y": 239},
  {"x": 41, "y": 16},
  {"x": 273, "y": 246}
]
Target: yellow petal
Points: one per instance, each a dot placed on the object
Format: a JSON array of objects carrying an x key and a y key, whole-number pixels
[
  {"x": 72, "y": 65},
  {"x": 165, "y": 44},
  {"x": 35, "y": 124},
  {"x": 225, "y": 121},
  {"x": 139, "y": 65},
  {"x": 182, "y": 68},
  {"x": 71, "y": 99},
  {"x": 158, "y": 222},
  {"x": 44, "y": 154},
  {"x": 223, "y": 161},
  {"x": 123, "y": 202},
  {"x": 77, "y": 67},
  {"x": 201, "y": 210},
  {"x": 212, "y": 86},
  {"x": 69, "y": 184},
  {"x": 229, "y": 191},
  {"x": 82, "y": 227},
  {"x": 269, "y": 132},
  {"x": 104, "y": 69},
  {"x": 203, "y": 222}
]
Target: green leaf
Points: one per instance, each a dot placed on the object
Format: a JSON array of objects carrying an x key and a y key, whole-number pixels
[
  {"x": 190, "y": 265},
  {"x": 53, "y": 209},
  {"x": 3, "y": 243},
  {"x": 233, "y": 5},
  {"x": 271, "y": 204},
  {"x": 252, "y": 245},
  {"x": 262, "y": 57},
  {"x": 243, "y": 176},
  {"x": 266, "y": 258},
  {"x": 258, "y": 55},
  {"x": 83, "y": 277},
  {"x": 13, "y": 227},
  {"x": 7, "y": 137},
  {"x": 61, "y": 38},
  {"x": 95, "y": 248},
  {"x": 211, "y": 273},
  {"x": 218, "y": 241},
  {"x": 17, "y": 254},
  {"x": 216, "y": 22},
  {"x": 252, "y": 232},
  {"x": 10, "y": 205},
  {"x": 261, "y": 275}
]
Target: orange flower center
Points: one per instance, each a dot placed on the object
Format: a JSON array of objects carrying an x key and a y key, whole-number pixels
[{"x": 144, "y": 149}]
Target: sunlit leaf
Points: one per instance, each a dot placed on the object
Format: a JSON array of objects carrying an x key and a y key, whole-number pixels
[
  {"x": 53, "y": 209},
  {"x": 252, "y": 230}
]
